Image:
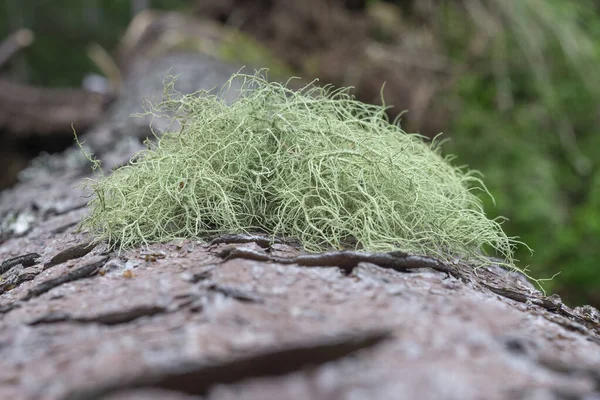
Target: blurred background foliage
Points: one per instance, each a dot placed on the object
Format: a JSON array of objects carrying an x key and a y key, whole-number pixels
[
  {"x": 64, "y": 29},
  {"x": 527, "y": 115},
  {"x": 523, "y": 107}
]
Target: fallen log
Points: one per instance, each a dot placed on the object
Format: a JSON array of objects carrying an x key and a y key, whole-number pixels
[{"x": 247, "y": 316}]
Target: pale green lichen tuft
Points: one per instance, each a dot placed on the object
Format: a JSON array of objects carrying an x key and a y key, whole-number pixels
[{"x": 314, "y": 164}]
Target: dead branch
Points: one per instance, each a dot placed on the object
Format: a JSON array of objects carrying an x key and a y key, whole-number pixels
[{"x": 345, "y": 260}]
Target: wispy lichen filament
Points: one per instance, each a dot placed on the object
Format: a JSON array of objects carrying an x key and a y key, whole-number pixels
[{"x": 313, "y": 164}]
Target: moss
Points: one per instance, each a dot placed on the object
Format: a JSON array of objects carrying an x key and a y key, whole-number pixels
[
  {"x": 240, "y": 49},
  {"x": 313, "y": 164}
]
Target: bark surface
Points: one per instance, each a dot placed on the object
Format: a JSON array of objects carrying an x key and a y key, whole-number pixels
[{"x": 243, "y": 318}]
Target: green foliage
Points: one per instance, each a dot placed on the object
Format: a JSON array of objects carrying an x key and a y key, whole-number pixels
[
  {"x": 242, "y": 49},
  {"x": 527, "y": 116},
  {"x": 313, "y": 164},
  {"x": 64, "y": 29}
]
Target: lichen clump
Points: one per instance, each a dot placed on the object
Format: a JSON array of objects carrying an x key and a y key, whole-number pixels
[{"x": 314, "y": 164}]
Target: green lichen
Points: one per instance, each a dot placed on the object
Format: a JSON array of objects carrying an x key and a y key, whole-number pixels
[{"x": 313, "y": 164}]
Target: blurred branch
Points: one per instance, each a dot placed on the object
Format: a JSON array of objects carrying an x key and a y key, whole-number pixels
[
  {"x": 107, "y": 65},
  {"x": 27, "y": 110},
  {"x": 15, "y": 42}
]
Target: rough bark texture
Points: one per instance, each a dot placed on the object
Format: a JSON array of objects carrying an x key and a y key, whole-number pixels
[{"x": 190, "y": 320}]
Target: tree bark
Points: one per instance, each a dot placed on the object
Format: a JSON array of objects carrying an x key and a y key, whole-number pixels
[{"x": 245, "y": 318}]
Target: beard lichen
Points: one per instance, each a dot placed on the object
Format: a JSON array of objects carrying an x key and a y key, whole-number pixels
[{"x": 313, "y": 164}]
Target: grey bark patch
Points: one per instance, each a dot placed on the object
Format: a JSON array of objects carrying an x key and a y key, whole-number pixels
[
  {"x": 199, "y": 378},
  {"x": 109, "y": 318},
  {"x": 236, "y": 293},
  {"x": 17, "y": 276},
  {"x": 71, "y": 253},
  {"x": 151, "y": 394},
  {"x": 16, "y": 223},
  {"x": 25, "y": 260},
  {"x": 4, "y": 308},
  {"x": 50, "y": 318},
  {"x": 61, "y": 208},
  {"x": 64, "y": 227},
  {"x": 84, "y": 271}
]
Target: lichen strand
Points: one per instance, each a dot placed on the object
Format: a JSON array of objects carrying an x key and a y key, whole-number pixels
[{"x": 313, "y": 164}]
